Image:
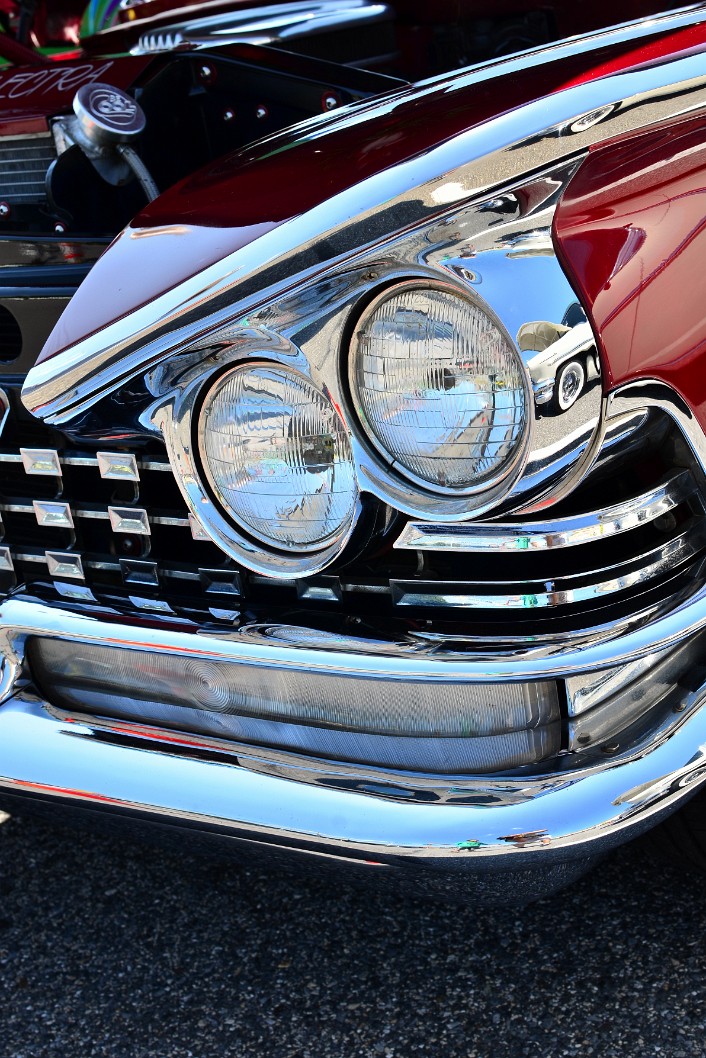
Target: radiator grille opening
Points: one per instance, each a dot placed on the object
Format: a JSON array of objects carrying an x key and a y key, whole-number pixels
[
  {"x": 23, "y": 168},
  {"x": 74, "y": 528}
]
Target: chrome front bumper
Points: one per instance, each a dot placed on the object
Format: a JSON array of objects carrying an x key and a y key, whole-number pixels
[{"x": 347, "y": 812}]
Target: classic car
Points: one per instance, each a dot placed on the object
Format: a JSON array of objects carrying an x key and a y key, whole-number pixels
[{"x": 354, "y": 431}]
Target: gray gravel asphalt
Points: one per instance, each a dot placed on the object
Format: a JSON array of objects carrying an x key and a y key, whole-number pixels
[{"x": 124, "y": 950}]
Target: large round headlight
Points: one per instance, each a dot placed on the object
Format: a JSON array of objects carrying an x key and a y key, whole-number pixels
[
  {"x": 277, "y": 456},
  {"x": 439, "y": 388}
]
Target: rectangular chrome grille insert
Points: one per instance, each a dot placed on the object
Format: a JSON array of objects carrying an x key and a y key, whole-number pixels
[
  {"x": 64, "y": 565},
  {"x": 57, "y": 514},
  {"x": 117, "y": 466},
  {"x": 41, "y": 461},
  {"x": 129, "y": 520},
  {"x": 196, "y": 531}
]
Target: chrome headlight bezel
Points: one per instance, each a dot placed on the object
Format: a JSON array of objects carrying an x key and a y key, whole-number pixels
[{"x": 179, "y": 421}]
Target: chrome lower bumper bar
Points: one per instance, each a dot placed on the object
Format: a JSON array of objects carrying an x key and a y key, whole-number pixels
[{"x": 335, "y": 810}]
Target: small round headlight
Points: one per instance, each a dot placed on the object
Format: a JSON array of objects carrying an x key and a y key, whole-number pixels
[
  {"x": 277, "y": 456},
  {"x": 438, "y": 387}
]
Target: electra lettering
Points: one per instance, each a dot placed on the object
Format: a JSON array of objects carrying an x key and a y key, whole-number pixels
[{"x": 40, "y": 82}]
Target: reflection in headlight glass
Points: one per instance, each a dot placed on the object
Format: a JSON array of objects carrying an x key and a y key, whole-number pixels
[
  {"x": 439, "y": 387},
  {"x": 278, "y": 456}
]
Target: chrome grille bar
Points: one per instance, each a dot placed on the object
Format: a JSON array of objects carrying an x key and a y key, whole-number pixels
[
  {"x": 23, "y": 167},
  {"x": 66, "y": 459},
  {"x": 477, "y": 537},
  {"x": 561, "y": 592}
]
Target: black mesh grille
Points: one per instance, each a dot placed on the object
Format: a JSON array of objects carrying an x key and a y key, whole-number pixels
[{"x": 23, "y": 168}]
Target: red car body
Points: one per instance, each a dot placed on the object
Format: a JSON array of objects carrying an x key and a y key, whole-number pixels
[{"x": 463, "y": 640}]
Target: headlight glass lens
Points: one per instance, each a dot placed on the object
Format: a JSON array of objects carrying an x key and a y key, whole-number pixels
[
  {"x": 277, "y": 455},
  {"x": 439, "y": 388}
]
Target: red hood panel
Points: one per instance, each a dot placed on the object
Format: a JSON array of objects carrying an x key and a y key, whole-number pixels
[{"x": 227, "y": 205}]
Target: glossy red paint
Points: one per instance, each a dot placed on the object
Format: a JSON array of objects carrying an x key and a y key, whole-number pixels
[
  {"x": 13, "y": 51},
  {"x": 631, "y": 231},
  {"x": 672, "y": 46},
  {"x": 285, "y": 175}
]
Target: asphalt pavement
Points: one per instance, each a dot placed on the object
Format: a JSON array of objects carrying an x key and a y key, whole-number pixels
[{"x": 117, "y": 949}]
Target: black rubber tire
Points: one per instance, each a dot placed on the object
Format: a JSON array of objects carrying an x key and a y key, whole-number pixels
[{"x": 575, "y": 370}]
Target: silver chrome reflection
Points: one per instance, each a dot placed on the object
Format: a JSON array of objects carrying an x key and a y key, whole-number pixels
[
  {"x": 277, "y": 24},
  {"x": 302, "y": 332},
  {"x": 429, "y": 186},
  {"x": 41, "y": 462},
  {"x": 562, "y": 591},
  {"x": 478, "y": 537},
  {"x": 4, "y": 409},
  {"x": 208, "y": 518}
]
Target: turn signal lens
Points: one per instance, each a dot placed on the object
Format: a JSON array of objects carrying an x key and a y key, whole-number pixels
[
  {"x": 277, "y": 456},
  {"x": 439, "y": 388}
]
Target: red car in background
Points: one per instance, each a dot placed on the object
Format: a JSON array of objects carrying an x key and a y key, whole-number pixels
[{"x": 354, "y": 430}]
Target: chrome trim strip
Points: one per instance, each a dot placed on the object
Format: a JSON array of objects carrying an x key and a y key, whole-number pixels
[
  {"x": 279, "y": 23},
  {"x": 551, "y": 594},
  {"x": 544, "y": 536},
  {"x": 452, "y": 173},
  {"x": 124, "y": 458},
  {"x": 651, "y": 393},
  {"x": 285, "y": 646},
  {"x": 18, "y": 508}
]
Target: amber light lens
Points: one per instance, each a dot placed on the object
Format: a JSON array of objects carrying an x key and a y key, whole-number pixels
[
  {"x": 439, "y": 388},
  {"x": 277, "y": 455}
]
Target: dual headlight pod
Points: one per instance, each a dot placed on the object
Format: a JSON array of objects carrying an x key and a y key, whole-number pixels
[{"x": 439, "y": 395}]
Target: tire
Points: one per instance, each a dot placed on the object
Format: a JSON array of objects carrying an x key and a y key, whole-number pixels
[{"x": 570, "y": 381}]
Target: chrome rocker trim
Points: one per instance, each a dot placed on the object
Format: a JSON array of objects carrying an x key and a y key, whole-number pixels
[{"x": 337, "y": 810}]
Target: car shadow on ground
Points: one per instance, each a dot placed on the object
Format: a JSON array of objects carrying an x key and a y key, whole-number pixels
[{"x": 121, "y": 949}]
